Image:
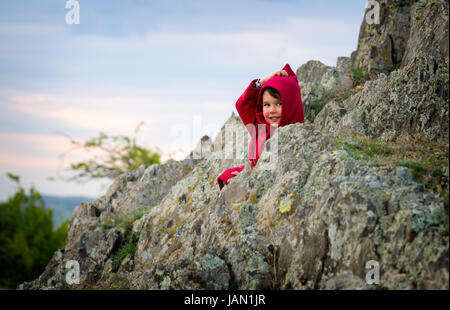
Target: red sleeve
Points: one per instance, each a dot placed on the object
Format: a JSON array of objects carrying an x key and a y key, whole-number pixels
[
  {"x": 223, "y": 179},
  {"x": 246, "y": 104}
]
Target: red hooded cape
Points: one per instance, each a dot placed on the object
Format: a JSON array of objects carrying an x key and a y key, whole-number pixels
[{"x": 249, "y": 107}]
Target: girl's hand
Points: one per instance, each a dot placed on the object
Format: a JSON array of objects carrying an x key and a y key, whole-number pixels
[
  {"x": 235, "y": 173},
  {"x": 277, "y": 73}
]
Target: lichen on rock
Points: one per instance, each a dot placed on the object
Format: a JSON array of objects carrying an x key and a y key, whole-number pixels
[{"x": 311, "y": 222}]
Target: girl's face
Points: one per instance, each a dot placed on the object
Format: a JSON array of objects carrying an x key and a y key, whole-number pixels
[{"x": 271, "y": 109}]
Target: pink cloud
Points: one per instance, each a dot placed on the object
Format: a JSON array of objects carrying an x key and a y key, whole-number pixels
[
  {"x": 12, "y": 161},
  {"x": 43, "y": 151}
]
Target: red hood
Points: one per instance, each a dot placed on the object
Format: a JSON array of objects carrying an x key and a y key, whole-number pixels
[
  {"x": 291, "y": 99},
  {"x": 291, "y": 113}
]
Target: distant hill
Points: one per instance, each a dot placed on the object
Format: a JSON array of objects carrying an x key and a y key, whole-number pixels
[{"x": 63, "y": 206}]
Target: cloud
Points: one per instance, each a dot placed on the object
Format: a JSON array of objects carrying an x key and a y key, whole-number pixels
[
  {"x": 92, "y": 113},
  {"x": 26, "y": 152},
  {"x": 38, "y": 151},
  {"x": 119, "y": 115},
  {"x": 160, "y": 63},
  {"x": 33, "y": 142},
  {"x": 13, "y": 161},
  {"x": 92, "y": 119},
  {"x": 32, "y": 151},
  {"x": 17, "y": 29},
  {"x": 294, "y": 40},
  {"x": 177, "y": 94}
]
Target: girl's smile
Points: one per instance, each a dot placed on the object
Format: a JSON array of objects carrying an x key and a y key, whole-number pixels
[{"x": 271, "y": 109}]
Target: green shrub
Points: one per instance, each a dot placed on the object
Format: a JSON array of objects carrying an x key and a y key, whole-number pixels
[
  {"x": 437, "y": 172},
  {"x": 359, "y": 76},
  {"x": 27, "y": 236},
  {"x": 417, "y": 169},
  {"x": 317, "y": 104},
  {"x": 128, "y": 244},
  {"x": 395, "y": 67},
  {"x": 345, "y": 96}
]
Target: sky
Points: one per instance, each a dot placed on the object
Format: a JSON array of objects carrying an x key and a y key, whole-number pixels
[{"x": 177, "y": 66}]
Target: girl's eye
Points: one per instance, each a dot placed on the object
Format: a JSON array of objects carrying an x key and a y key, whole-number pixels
[{"x": 279, "y": 103}]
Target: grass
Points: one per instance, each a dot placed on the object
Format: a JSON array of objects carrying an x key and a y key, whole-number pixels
[
  {"x": 365, "y": 149},
  {"x": 417, "y": 169},
  {"x": 98, "y": 270},
  {"x": 359, "y": 77},
  {"x": 344, "y": 96},
  {"x": 318, "y": 104},
  {"x": 125, "y": 221},
  {"x": 395, "y": 67},
  {"x": 129, "y": 247},
  {"x": 119, "y": 283},
  {"x": 128, "y": 244},
  {"x": 130, "y": 240},
  {"x": 107, "y": 225},
  {"x": 381, "y": 287},
  {"x": 425, "y": 159}
]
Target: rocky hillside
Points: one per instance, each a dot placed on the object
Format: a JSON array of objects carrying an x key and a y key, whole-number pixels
[{"x": 364, "y": 178}]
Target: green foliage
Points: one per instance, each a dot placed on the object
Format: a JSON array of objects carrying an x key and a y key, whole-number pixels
[
  {"x": 426, "y": 159},
  {"x": 119, "y": 154},
  {"x": 317, "y": 104},
  {"x": 125, "y": 223},
  {"x": 355, "y": 152},
  {"x": 417, "y": 169},
  {"x": 27, "y": 237},
  {"x": 138, "y": 214},
  {"x": 381, "y": 287},
  {"x": 344, "y": 96},
  {"x": 359, "y": 76},
  {"x": 130, "y": 240},
  {"x": 433, "y": 178},
  {"x": 98, "y": 270},
  {"x": 107, "y": 225},
  {"x": 395, "y": 67},
  {"x": 365, "y": 149},
  {"x": 437, "y": 172},
  {"x": 119, "y": 283},
  {"x": 128, "y": 248},
  {"x": 13, "y": 177},
  {"x": 128, "y": 244}
]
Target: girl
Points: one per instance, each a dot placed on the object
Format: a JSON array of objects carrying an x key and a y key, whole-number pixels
[{"x": 273, "y": 101}]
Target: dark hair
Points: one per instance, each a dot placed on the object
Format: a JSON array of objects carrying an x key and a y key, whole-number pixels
[{"x": 273, "y": 92}]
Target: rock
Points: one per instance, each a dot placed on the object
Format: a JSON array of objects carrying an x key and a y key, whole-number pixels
[
  {"x": 382, "y": 45},
  {"x": 308, "y": 216},
  {"x": 201, "y": 151},
  {"x": 409, "y": 101},
  {"x": 319, "y": 83},
  {"x": 344, "y": 65},
  {"x": 311, "y": 72},
  {"x": 214, "y": 272},
  {"x": 161, "y": 178},
  {"x": 127, "y": 264},
  {"x": 303, "y": 225},
  {"x": 429, "y": 32},
  {"x": 346, "y": 280}
]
